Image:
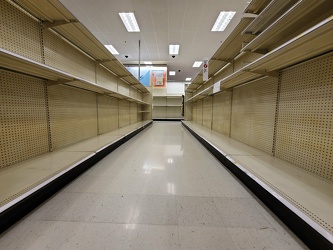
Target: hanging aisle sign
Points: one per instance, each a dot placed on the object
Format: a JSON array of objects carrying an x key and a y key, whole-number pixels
[{"x": 205, "y": 70}]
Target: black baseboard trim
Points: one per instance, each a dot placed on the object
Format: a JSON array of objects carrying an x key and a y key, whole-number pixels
[
  {"x": 16, "y": 212},
  {"x": 303, "y": 230},
  {"x": 168, "y": 119}
]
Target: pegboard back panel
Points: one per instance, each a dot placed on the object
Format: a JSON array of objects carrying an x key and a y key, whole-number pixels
[
  {"x": 23, "y": 118},
  {"x": 61, "y": 55},
  {"x": 244, "y": 60},
  {"x": 133, "y": 112},
  {"x": 304, "y": 134},
  {"x": 123, "y": 88},
  {"x": 228, "y": 70},
  {"x": 159, "y": 112},
  {"x": 124, "y": 113},
  {"x": 106, "y": 79},
  {"x": 73, "y": 115},
  {"x": 253, "y": 113},
  {"x": 222, "y": 113},
  {"x": 139, "y": 95},
  {"x": 207, "y": 112},
  {"x": 107, "y": 114},
  {"x": 133, "y": 92},
  {"x": 174, "y": 112},
  {"x": 20, "y": 33},
  {"x": 199, "y": 111},
  {"x": 194, "y": 112}
]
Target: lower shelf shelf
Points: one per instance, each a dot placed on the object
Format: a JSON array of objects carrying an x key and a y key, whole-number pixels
[
  {"x": 301, "y": 199},
  {"x": 38, "y": 178}
]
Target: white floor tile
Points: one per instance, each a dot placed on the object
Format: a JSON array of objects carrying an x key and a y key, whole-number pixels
[
  {"x": 155, "y": 210},
  {"x": 115, "y": 208},
  {"x": 78, "y": 207},
  {"x": 152, "y": 237},
  {"x": 240, "y": 212},
  {"x": 205, "y": 238},
  {"x": 250, "y": 238},
  {"x": 198, "y": 211}
]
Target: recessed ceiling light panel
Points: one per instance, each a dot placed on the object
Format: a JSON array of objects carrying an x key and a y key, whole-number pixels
[
  {"x": 174, "y": 49},
  {"x": 223, "y": 20},
  {"x": 197, "y": 64},
  {"x": 148, "y": 63},
  {"x": 130, "y": 22},
  {"x": 112, "y": 49},
  {"x": 188, "y": 79},
  {"x": 172, "y": 73}
]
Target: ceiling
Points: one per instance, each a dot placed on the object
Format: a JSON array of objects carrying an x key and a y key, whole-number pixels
[{"x": 161, "y": 22}]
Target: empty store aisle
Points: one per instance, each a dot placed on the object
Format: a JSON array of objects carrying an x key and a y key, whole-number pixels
[{"x": 160, "y": 190}]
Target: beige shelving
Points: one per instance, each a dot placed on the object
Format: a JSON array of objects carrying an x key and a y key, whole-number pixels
[
  {"x": 167, "y": 107},
  {"x": 12, "y": 61},
  {"x": 312, "y": 42},
  {"x": 225, "y": 53},
  {"x": 297, "y": 18},
  {"x": 56, "y": 17},
  {"x": 272, "y": 11},
  {"x": 256, "y": 6},
  {"x": 31, "y": 175},
  {"x": 305, "y": 194}
]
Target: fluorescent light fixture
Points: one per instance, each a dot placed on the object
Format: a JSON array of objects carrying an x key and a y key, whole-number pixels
[
  {"x": 172, "y": 73},
  {"x": 148, "y": 63},
  {"x": 112, "y": 49},
  {"x": 129, "y": 21},
  {"x": 197, "y": 64},
  {"x": 223, "y": 20},
  {"x": 188, "y": 79},
  {"x": 174, "y": 49}
]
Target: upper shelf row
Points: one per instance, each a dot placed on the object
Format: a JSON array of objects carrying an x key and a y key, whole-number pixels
[
  {"x": 314, "y": 41},
  {"x": 262, "y": 35},
  {"x": 55, "y": 16},
  {"x": 25, "y": 65}
]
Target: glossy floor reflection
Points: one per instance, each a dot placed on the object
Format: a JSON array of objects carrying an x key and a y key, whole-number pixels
[{"x": 160, "y": 190}]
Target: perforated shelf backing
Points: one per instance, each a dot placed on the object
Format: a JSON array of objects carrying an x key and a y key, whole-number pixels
[
  {"x": 107, "y": 114},
  {"x": 61, "y": 55},
  {"x": 207, "y": 112},
  {"x": 253, "y": 113},
  {"x": 199, "y": 111},
  {"x": 124, "y": 113},
  {"x": 106, "y": 79},
  {"x": 133, "y": 112},
  {"x": 23, "y": 118},
  {"x": 73, "y": 115},
  {"x": 194, "y": 112},
  {"x": 19, "y": 32},
  {"x": 222, "y": 112},
  {"x": 305, "y": 116}
]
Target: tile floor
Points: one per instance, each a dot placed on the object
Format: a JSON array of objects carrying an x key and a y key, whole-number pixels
[{"x": 160, "y": 190}]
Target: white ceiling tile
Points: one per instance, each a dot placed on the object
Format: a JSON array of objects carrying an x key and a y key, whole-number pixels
[
  {"x": 158, "y": 5},
  {"x": 191, "y": 20},
  {"x": 145, "y": 21},
  {"x": 177, "y": 5},
  {"x": 176, "y": 21},
  {"x": 141, "y": 5},
  {"x": 148, "y": 37},
  {"x": 160, "y": 19},
  {"x": 175, "y": 37},
  {"x": 195, "y": 5},
  {"x": 187, "y": 38}
]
